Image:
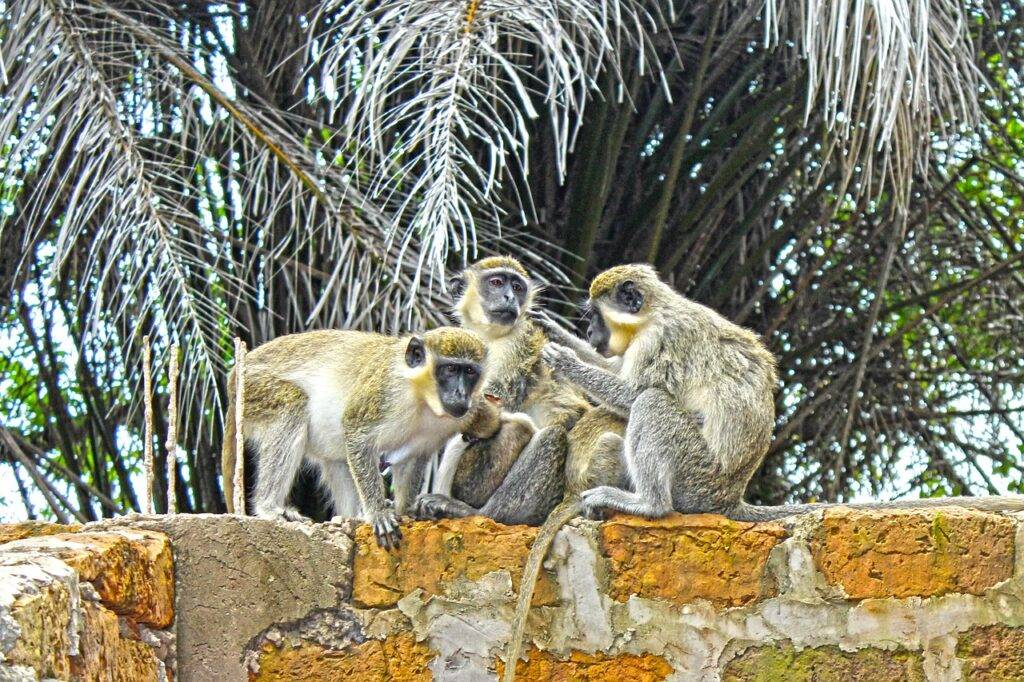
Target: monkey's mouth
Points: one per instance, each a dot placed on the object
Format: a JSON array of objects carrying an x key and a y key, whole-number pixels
[
  {"x": 503, "y": 315},
  {"x": 457, "y": 411}
]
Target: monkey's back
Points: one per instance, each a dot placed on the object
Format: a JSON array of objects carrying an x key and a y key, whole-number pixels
[{"x": 287, "y": 370}]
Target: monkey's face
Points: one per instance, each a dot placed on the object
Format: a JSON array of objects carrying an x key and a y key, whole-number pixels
[
  {"x": 503, "y": 295},
  {"x": 456, "y": 382},
  {"x": 616, "y": 316},
  {"x": 597, "y": 331},
  {"x": 444, "y": 369},
  {"x": 493, "y": 298}
]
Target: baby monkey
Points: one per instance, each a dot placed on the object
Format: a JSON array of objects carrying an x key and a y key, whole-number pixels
[
  {"x": 349, "y": 403},
  {"x": 467, "y": 472}
]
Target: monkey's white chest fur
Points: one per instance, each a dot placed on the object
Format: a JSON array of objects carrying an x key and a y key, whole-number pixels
[{"x": 422, "y": 434}]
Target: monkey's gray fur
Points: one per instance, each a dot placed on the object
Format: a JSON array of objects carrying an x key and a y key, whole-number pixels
[{"x": 683, "y": 362}]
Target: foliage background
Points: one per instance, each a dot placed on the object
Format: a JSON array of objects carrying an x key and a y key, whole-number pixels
[{"x": 844, "y": 178}]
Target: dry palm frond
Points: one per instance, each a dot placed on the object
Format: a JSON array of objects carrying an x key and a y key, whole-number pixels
[
  {"x": 116, "y": 156},
  {"x": 436, "y": 97},
  {"x": 879, "y": 70}
]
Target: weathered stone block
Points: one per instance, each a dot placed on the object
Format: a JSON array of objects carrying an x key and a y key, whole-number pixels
[
  {"x": 132, "y": 570},
  {"x": 236, "y": 576},
  {"x": 434, "y": 556},
  {"x": 396, "y": 659},
  {"x": 106, "y": 654},
  {"x": 906, "y": 553},
  {"x": 681, "y": 558},
  {"x": 38, "y": 616},
  {"x": 544, "y": 667},
  {"x": 993, "y": 652},
  {"x": 823, "y": 664}
]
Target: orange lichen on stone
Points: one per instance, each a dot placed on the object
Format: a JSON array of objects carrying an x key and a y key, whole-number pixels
[
  {"x": 396, "y": 659},
  {"x": 132, "y": 570},
  {"x": 681, "y": 558},
  {"x": 541, "y": 666},
  {"x": 31, "y": 529},
  {"x": 105, "y": 654},
  {"x": 823, "y": 664},
  {"x": 40, "y": 624},
  {"x": 993, "y": 652},
  {"x": 906, "y": 553},
  {"x": 435, "y": 556}
]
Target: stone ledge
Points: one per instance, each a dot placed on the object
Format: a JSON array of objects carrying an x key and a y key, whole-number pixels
[
  {"x": 682, "y": 558},
  {"x": 914, "y": 553},
  {"x": 842, "y": 594}
]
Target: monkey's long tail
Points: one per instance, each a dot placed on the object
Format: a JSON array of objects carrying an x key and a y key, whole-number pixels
[
  {"x": 566, "y": 511},
  {"x": 1007, "y": 503},
  {"x": 227, "y": 449}
]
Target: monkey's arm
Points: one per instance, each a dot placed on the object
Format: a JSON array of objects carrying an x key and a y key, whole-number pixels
[
  {"x": 363, "y": 463},
  {"x": 599, "y": 383},
  {"x": 559, "y": 334},
  {"x": 407, "y": 477}
]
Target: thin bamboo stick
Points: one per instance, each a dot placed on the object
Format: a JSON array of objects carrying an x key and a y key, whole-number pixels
[
  {"x": 239, "y": 474},
  {"x": 147, "y": 456},
  {"x": 172, "y": 432}
]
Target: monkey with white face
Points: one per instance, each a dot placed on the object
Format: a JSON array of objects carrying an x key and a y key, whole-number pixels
[{"x": 349, "y": 403}]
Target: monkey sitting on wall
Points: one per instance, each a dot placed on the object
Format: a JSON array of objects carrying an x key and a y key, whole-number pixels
[
  {"x": 495, "y": 478},
  {"x": 348, "y": 402},
  {"x": 698, "y": 394}
]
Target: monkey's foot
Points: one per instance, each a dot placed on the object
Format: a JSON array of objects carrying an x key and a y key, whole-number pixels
[
  {"x": 430, "y": 507},
  {"x": 385, "y": 527},
  {"x": 594, "y": 502},
  {"x": 282, "y": 514},
  {"x": 434, "y": 506}
]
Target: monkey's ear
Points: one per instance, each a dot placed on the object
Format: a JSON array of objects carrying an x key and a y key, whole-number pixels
[
  {"x": 630, "y": 296},
  {"x": 415, "y": 352},
  {"x": 457, "y": 284}
]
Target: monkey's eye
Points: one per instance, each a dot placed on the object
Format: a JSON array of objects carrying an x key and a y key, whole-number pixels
[
  {"x": 495, "y": 281},
  {"x": 451, "y": 369},
  {"x": 470, "y": 371},
  {"x": 517, "y": 286}
]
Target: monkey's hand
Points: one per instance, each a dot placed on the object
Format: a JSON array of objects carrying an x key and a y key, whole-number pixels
[
  {"x": 385, "y": 527},
  {"x": 562, "y": 360},
  {"x": 553, "y": 328}
]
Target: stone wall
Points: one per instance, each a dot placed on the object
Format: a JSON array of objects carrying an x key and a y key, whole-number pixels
[{"x": 842, "y": 595}]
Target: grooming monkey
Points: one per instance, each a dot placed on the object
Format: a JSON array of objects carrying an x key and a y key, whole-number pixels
[
  {"x": 349, "y": 402},
  {"x": 493, "y": 477},
  {"x": 698, "y": 394}
]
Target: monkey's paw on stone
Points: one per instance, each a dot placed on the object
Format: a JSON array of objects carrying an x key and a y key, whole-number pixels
[
  {"x": 594, "y": 502},
  {"x": 385, "y": 527}
]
